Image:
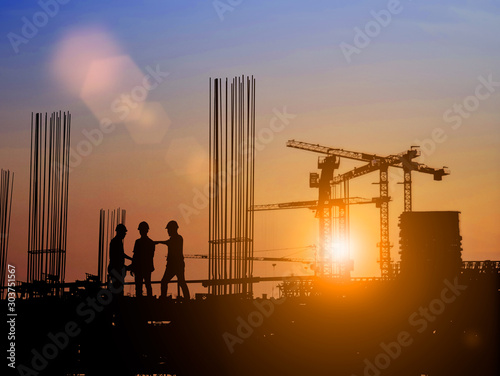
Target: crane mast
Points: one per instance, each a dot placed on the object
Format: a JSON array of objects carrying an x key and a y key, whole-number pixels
[{"x": 327, "y": 165}]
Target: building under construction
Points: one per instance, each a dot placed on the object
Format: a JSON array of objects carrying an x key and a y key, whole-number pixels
[
  {"x": 430, "y": 245},
  {"x": 430, "y": 314}
]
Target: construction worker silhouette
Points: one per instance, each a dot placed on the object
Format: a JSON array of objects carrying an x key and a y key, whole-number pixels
[
  {"x": 175, "y": 260},
  {"x": 117, "y": 256},
  {"x": 142, "y": 261}
]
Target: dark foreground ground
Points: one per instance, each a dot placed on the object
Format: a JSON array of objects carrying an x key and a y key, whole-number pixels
[{"x": 448, "y": 327}]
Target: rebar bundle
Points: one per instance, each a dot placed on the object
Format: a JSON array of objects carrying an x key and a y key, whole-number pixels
[
  {"x": 231, "y": 174},
  {"x": 48, "y": 203},
  {"x": 107, "y": 224},
  {"x": 6, "y": 189}
]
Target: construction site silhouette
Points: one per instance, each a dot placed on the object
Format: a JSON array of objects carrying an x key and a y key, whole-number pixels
[{"x": 432, "y": 313}]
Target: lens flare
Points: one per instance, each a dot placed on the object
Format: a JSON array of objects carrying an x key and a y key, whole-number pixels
[{"x": 75, "y": 53}]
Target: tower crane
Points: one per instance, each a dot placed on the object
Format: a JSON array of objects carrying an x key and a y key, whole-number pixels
[
  {"x": 325, "y": 265},
  {"x": 301, "y": 260},
  {"x": 402, "y": 160},
  {"x": 313, "y": 204}
]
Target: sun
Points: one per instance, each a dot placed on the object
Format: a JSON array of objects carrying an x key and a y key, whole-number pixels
[{"x": 340, "y": 250}]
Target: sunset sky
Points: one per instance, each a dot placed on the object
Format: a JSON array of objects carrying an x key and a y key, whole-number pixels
[{"x": 370, "y": 76}]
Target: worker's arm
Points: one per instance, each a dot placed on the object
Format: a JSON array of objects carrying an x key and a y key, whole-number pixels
[{"x": 161, "y": 242}]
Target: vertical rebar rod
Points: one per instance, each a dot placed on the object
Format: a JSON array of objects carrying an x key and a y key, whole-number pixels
[
  {"x": 108, "y": 220},
  {"x": 6, "y": 191},
  {"x": 231, "y": 152},
  {"x": 48, "y": 196},
  {"x": 209, "y": 176}
]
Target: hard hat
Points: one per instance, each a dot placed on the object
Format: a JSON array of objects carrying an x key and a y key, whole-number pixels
[
  {"x": 120, "y": 227},
  {"x": 143, "y": 225},
  {"x": 172, "y": 224}
]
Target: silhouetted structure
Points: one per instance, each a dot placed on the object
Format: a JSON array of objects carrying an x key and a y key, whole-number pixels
[
  {"x": 175, "y": 261},
  {"x": 379, "y": 163},
  {"x": 142, "y": 260},
  {"x": 231, "y": 176},
  {"x": 430, "y": 244},
  {"x": 48, "y": 203},
  {"x": 351, "y": 327},
  {"x": 331, "y": 262},
  {"x": 107, "y": 224},
  {"x": 6, "y": 190},
  {"x": 324, "y": 326}
]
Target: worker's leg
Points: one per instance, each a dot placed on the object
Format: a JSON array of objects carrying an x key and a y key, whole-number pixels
[
  {"x": 116, "y": 279},
  {"x": 147, "y": 282},
  {"x": 182, "y": 282},
  {"x": 169, "y": 274},
  {"x": 138, "y": 283}
]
